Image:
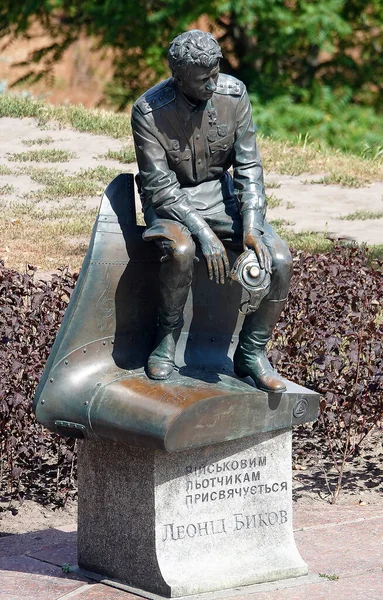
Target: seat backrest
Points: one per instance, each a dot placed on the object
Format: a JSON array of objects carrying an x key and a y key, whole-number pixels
[{"x": 116, "y": 297}]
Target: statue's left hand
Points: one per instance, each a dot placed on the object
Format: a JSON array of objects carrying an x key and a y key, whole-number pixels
[
  {"x": 215, "y": 255},
  {"x": 253, "y": 241}
]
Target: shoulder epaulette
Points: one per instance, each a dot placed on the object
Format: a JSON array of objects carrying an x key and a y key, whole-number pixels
[
  {"x": 157, "y": 96},
  {"x": 229, "y": 85}
]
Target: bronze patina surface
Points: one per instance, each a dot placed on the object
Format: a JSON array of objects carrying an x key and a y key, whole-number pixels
[
  {"x": 94, "y": 385},
  {"x": 189, "y": 131}
]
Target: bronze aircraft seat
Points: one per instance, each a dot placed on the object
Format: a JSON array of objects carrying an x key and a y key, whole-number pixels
[{"x": 94, "y": 384}]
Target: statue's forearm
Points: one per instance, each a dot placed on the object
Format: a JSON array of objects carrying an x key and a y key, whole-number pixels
[{"x": 252, "y": 220}]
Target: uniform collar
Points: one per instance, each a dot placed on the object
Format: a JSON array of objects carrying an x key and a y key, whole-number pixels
[{"x": 186, "y": 106}]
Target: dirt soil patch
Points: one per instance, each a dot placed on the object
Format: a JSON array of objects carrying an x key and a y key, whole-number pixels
[
  {"x": 32, "y": 516},
  {"x": 314, "y": 478}
]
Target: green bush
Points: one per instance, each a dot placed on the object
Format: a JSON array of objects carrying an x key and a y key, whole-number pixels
[{"x": 328, "y": 122}]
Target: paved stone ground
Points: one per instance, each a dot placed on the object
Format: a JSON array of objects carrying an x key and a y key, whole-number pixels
[{"x": 343, "y": 546}]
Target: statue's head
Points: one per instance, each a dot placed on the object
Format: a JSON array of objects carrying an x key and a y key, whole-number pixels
[
  {"x": 194, "y": 61},
  {"x": 193, "y": 48}
]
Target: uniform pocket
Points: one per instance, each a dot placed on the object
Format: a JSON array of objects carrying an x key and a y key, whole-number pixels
[
  {"x": 176, "y": 156},
  {"x": 223, "y": 144}
]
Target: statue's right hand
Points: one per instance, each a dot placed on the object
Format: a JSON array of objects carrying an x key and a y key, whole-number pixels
[{"x": 215, "y": 255}]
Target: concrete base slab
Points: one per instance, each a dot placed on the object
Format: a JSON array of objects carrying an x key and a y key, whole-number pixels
[{"x": 257, "y": 588}]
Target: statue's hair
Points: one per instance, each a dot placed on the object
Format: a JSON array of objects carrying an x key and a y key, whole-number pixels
[{"x": 193, "y": 47}]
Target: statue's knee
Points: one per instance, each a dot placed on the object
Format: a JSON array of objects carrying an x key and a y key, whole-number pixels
[
  {"x": 282, "y": 260},
  {"x": 182, "y": 252},
  {"x": 177, "y": 263}
]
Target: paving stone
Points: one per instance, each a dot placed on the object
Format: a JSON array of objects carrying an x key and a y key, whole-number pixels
[
  {"x": 26, "y": 564},
  {"x": 343, "y": 549},
  {"x": 368, "y": 586},
  {"x": 103, "y": 592},
  {"x": 322, "y": 514},
  {"x": 333, "y": 541},
  {"x": 57, "y": 555},
  {"x": 23, "y": 578}
]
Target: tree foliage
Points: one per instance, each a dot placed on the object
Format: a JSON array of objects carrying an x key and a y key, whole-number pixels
[
  {"x": 306, "y": 63},
  {"x": 274, "y": 46}
]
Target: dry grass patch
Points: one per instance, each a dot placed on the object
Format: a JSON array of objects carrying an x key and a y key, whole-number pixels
[
  {"x": 67, "y": 186},
  {"x": 345, "y": 180},
  {"x": 101, "y": 173},
  {"x": 7, "y": 189},
  {"x": 58, "y": 184},
  {"x": 316, "y": 243},
  {"x": 272, "y": 201},
  {"x": 48, "y": 242},
  {"x": 38, "y": 141},
  {"x": 278, "y": 224},
  {"x": 309, "y": 241},
  {"x": 288, "y": 159},
  {"x": 42, "y": 155},
  {"x": 5, "y": 170},
  {"x": 34, "y": 210},
  {"x": 125, "y": 156},
  {"x": 48, "y": 227},
  {"x": 362, "y": 215},
  {"x": 75, "y": 116}
]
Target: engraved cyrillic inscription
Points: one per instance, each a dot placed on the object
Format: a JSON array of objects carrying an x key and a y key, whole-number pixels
[
  {"x": 226, "y": 466},
  {"x": 233, "y": 524},
  {"x": 227, "y": 494},
  {"x": 228, "y": 479},
  {"x": 191, "y": 530},
  {"x": 265, "y": 519}
]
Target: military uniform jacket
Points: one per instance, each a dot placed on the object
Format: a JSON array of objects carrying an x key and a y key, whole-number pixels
[{"x": 182, "y": 148}]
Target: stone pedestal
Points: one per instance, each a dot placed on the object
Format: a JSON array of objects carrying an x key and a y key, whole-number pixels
[{"x": 189, "y": 522}]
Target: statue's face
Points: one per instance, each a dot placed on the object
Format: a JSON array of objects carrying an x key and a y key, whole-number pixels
[{"x": 200, "y": 83}]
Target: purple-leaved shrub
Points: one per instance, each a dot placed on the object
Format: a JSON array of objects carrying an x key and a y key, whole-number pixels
[{"x": 330, "y": 339}]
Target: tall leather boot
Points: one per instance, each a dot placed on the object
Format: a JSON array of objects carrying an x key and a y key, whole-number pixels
[
  {"x": 161, "y": 360},
  {"x": 176, "y": 274},
  {"x": 250, "y": 357}
]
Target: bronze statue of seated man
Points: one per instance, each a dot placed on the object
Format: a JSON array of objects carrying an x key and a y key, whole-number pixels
[{"x": 189, "y": 131}]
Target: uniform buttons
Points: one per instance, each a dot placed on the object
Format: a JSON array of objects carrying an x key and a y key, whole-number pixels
[
  {"x": 224, "y": 146},
  {"x": 199, "y": 161},
  {"x": 177, "y": 160},
  {"x": 197, "y": 136}
]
